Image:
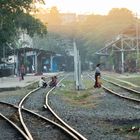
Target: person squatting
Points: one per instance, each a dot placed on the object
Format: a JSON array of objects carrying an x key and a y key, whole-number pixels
[
  {"x": 42, "y": 82},
  {"x": 52, "y": 83}
]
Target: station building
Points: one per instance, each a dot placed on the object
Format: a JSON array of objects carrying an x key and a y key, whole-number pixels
[
  {"x": 38, "y": 61},
  {"x": 34, "y": 60}
]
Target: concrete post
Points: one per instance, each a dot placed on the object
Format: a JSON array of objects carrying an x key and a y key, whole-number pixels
[
  {"x": 76, "y": 66},
  {"x": 122, "y": 57},
  {"x": 36, "y": 64},
  {"x": 51, "y": 64}
]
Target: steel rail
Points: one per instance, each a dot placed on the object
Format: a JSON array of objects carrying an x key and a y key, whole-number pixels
[
  {"x": 15, "y": 126},
  {"x": 47, "y": 106},
  {"x": 121, "y": 96},
  {"x": 122, "y": 81},
  {"x": 43, "y": 118},
  {"x": 129, "y": 89},
  {"x": 52, "y": 122},
  {"x": 20, "y": 114}
]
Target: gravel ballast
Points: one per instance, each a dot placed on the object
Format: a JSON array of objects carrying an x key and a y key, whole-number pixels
[
  {"x": 105, "y": 118},
  {"x": 104, "y": 121}
]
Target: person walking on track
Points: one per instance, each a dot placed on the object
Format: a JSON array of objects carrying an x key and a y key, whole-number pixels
[{"x": 97, "y": 76}]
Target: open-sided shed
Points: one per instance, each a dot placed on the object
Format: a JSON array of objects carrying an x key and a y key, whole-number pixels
[{"x": 33, "y": 59}]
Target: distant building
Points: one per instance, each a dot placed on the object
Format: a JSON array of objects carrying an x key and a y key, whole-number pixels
[{"x": 33, "y": 60}]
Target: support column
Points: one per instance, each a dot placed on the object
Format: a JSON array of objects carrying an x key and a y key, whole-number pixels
[
  {"x": 36, "y": 64},
  {"x": 76, "y": 67},
  {"x": 51, "y": 64},
  {"x": 122, "y": 56},
  {"x": 33, "y": 64},
  {"x": 81, "y": 85},
  {"x": 17, "y": 64}
]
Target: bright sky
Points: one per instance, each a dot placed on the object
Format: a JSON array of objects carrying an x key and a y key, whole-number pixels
[{"x": 101, "y": 7}]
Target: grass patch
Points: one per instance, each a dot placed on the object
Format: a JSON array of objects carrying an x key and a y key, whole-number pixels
[
  {"x": 32, "y": 86},
  {"x": 130, "y": 131},
  {"x": 129, "y": 128},
  {"x": 19, "y": 91},
  {"x": 134, "y": 80},
  {"x": 127, "y": 82},
  {"x": 88, "y": 84},
  {"x": 84, "y": 98}
]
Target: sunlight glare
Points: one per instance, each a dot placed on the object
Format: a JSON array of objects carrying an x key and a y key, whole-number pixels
[{"x": 93, "y": 6}]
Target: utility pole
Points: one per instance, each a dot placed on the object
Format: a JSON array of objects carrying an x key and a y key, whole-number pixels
[
  {"x": 122, "y": 56},
  {"x": 137, "y": 43},
  {"x": 77, "y": 68}
]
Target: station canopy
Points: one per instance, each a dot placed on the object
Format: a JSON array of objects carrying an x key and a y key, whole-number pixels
[
  {"x": 127, "y": 40},
  {"x": 28, "y": 49}
]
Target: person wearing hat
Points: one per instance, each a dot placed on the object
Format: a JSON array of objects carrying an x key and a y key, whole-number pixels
[{"x": 97, "y": 76}]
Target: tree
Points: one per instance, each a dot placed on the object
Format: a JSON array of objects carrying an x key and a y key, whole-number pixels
[
  {"x": 120, "y": 13},
  {"x": 91, "y": 32},
  {"x": 29, "y": 23},
  {"x": 14, "y": 14},
  {"x": 54, "y": 17},
  {"x": 52, "y": 42}
]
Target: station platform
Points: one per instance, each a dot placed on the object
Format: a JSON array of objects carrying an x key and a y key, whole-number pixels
[{"x": 14, "y": 81}]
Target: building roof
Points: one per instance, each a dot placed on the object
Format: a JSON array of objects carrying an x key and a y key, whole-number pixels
[{"x": 27, "y": 49}]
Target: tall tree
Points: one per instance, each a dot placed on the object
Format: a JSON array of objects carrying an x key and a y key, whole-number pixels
[
  {"x": 14, "y": 14},
  {"x": 54, "y": 17}
]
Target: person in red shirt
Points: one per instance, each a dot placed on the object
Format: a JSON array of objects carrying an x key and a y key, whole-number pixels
[
  {"x": 53, "y": 82},
  {"x": 22, "y": 72}
]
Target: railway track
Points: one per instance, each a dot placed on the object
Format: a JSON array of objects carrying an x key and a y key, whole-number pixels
[
  {"x": 122, "y": 82},
  {"x": 120, "y": 91},
  {"x": 39, "y": 121},
  {"x": 39, "y": 96},
  {"x": 35, "y": 118},
  {"x": 10, "y": 115},
  {"x": 47, "y": 106},
  {"x": 15, "y": 131}
]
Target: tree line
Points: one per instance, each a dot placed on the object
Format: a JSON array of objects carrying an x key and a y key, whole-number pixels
[{"x": 91, "y": 33}]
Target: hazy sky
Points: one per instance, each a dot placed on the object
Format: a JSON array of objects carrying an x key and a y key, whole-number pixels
[{"x": 93, "y": 6}]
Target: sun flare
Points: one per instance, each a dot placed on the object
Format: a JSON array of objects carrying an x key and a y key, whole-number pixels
[{"x": 93, "y": 6}]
